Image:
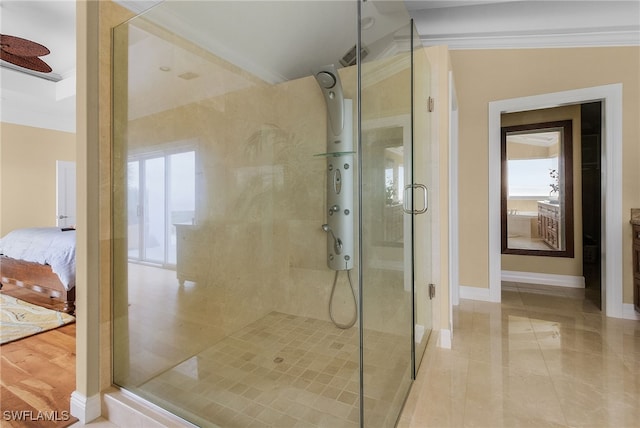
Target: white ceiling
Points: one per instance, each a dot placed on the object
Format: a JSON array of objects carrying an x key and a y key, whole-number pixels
[{"x": 34, "y": 101}]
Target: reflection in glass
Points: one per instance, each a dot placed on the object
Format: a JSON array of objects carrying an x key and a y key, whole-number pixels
[{"x": 161, "y": 194}]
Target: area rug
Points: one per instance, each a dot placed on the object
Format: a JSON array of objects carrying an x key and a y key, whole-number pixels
[{"x": 21, "y": 319}]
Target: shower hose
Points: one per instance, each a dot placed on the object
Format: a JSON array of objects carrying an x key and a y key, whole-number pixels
[{"x": 355, "y": 303}]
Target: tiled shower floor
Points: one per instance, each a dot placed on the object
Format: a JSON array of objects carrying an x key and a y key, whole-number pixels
[{"x": 286, "y": 371}]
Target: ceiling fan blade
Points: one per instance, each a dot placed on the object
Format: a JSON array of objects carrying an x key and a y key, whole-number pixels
[
  {"x": 32, "y": 63},
  {"x": 22, "y": 47}
]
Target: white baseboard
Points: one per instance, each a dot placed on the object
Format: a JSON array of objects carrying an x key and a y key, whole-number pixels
[
  {"x": 86, "y": 409},
  {"x": 629, "y": 312},
  {"x": 419, "y": 333},
  {"x": 475, "y": 293},
  {"x": 543, "y": 279},
  {"x": 445, "y": 338}
]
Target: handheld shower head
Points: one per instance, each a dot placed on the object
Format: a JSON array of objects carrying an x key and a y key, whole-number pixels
[{"x": 337, "y": 243}]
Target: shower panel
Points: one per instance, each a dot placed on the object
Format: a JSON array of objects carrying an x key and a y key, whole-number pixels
[{"x": 340, "y": 171}]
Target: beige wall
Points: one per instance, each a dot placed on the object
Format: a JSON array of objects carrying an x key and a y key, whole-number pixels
[
  {"x": 28, "y": 170},
  {"x": 553, "y": 265},
  {"x": 483, "y": 76}
]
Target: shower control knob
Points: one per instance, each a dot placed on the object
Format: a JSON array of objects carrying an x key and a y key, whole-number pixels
[
  {"x": 347, "y": 258},
  {"x": 346, "y": 166},
  {"x": 334, "y": 209},
  {"x": 346, "y": 212}
]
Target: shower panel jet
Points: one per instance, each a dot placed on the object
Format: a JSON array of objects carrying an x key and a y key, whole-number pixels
[{"x": 340, "y": 177}]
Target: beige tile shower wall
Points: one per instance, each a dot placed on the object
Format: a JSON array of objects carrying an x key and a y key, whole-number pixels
[
  {"x": 553, "y": 265},
  {"x": 261, "y": 195},
  {"x": 489, "y": 75},
  {"x": 302, "y": 205},
  {"x": 240, "y": 161}
]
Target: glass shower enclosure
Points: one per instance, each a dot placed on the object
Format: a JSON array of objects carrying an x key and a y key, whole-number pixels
[{"x": 264, "y": 210}]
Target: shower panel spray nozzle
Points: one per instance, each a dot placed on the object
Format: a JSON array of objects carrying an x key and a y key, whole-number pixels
[
  {"x": 329, "y": 83},
  {"x": 326, "y": 79},
  {"x": 337, "y": 243}
]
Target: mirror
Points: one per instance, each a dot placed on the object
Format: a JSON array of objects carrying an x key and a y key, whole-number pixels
[{"x": 537, "y": 189}]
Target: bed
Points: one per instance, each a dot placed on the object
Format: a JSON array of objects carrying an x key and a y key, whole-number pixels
[{"x": 40, "y": 264}]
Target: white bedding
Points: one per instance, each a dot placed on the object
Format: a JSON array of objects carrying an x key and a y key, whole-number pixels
[{"x": 44, "y": 245}]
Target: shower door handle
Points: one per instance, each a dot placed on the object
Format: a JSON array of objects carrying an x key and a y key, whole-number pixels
[{"x": 409, "y": 188}]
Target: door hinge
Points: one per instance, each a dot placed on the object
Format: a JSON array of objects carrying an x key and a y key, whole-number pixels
[
  {"x": 430, "y": 104},
  {"x": 432, "y": 291}
]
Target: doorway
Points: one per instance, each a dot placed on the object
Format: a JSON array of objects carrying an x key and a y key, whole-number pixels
[
  {"x": 65, "y": 193},
  {"x": 611, "y": 97},
  {"x": 591, "y": 137}
]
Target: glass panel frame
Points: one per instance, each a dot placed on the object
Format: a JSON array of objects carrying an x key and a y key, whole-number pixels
[
  {"x": 423, "y": 172},
  {"x": 386, "y": 280},
  {"x": 255, "y": 268}
]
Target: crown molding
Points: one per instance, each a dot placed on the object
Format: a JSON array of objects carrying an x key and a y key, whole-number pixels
[{"x": 624, "y": 37}]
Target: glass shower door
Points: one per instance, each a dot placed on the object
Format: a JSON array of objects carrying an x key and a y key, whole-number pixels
[
  {"x": 424, "y": 170},
  {"x": 390, "y": 203}
]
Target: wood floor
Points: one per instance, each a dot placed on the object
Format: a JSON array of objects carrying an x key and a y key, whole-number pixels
[{"x": 37, "y": 376}]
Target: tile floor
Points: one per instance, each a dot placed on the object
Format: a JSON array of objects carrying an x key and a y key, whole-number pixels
[
  {"x": 286, "y": 371},
  {"x": 545, "y": 357}
]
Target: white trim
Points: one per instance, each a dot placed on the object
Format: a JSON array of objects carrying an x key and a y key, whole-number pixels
[
  {"x": 611, "y": 95},
  {"x": 628, "y": 37},
  {"x": 454, "y": 232},
  {"x": 86, "y": 409},
  {"x": 543, "y": 278},
  {"x": 629, "y": 312},
  {"x": 477, "y": 293},
  {"x": 445, "y": 339},
  {"x": 419, "y": 333}
]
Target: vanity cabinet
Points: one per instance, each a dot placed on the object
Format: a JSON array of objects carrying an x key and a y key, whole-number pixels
[
  {"x": 549, "y": 224},
  {"x": 636, "y": 266},
  {"x": 189, "y": 259}
]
